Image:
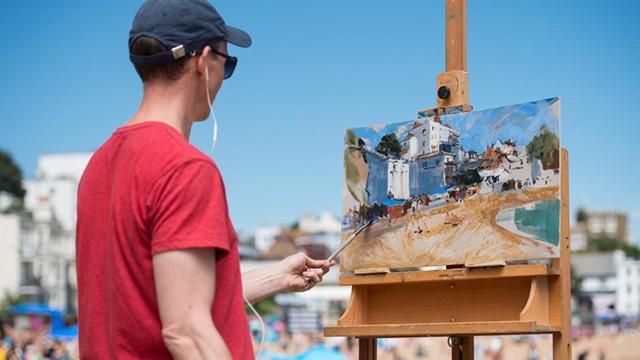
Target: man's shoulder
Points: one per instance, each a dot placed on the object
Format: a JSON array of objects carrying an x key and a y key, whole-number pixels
[
  {"x": 164, "y": 150},
  {"x": 150, "y": 150}
]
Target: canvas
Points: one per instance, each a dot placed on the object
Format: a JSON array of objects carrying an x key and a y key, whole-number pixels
[{"x": 465, "y": 188}]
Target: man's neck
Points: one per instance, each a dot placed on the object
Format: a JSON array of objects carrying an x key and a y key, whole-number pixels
[{"x": 166, "y": 104}]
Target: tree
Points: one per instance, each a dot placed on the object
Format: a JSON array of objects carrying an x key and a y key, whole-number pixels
[
  {"x": 263, "y": 307},
  {"x": 8, "y": 300},
  {"x": 605, "y": 243},
  {"x": 350, "y": 138},
  {"x": 544, "y": 145},
  {"x": 389, "y": 145},
  {"x": 10, "y": 176}
]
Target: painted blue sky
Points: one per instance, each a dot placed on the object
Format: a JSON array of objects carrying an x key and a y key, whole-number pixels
[
  {"x": 518, "y": 122},
  {"x": 317, "y": 68},
  {"x": 373, "y": 134}
]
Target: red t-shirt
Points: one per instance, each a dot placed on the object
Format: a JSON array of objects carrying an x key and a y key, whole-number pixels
[{"x": 145, "y": 191}]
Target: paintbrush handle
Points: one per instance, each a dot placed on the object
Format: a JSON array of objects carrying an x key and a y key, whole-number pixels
[{"x": 346, "y": 243}]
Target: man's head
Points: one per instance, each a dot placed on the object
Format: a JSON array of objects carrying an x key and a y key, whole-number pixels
[{"x": 184, "y": 43}]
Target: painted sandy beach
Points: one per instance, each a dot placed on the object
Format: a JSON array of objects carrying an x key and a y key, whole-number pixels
[{"x": 400, "y": 244}]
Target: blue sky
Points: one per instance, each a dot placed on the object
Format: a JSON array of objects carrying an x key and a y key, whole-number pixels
[{"x": 317, "y": 68}]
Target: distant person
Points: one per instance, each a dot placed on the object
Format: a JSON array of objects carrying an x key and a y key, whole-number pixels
[{"x": 157, "y": 255}]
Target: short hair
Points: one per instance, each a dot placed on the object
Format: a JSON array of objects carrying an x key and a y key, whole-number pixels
[{"x": 171, "y": 71}]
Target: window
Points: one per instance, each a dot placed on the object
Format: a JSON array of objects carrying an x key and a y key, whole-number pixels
[
  {"x": 596, "y": 225},
  {"x": 611, "y": 225}
]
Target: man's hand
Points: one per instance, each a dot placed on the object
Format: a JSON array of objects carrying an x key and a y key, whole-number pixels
[
  {"x": 301, "y": 273},
  {"x": 295, "y": 273}
]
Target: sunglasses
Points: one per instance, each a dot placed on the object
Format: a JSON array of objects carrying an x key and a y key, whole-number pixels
[{"x": 229, "y": 63}]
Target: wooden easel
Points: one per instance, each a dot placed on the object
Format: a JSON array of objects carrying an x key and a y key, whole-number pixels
[{"x": 461, "y": 303}]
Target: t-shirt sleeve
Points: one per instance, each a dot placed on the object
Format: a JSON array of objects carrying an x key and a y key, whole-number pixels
[{"x": 187, "y": 208}]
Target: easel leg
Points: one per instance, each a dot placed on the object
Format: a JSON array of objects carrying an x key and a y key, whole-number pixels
[
  {"x": 561, "y": 346},
  {"x": 462, "y": 348},
  {"x": 367, "y": 349}
]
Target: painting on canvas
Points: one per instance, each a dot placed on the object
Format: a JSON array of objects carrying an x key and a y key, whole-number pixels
[{"x": 472, "y": 187}]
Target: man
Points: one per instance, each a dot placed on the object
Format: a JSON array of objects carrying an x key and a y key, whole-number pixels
[{"x": 157, "y": 257}]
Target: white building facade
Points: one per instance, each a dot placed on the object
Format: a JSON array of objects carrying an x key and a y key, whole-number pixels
[
  {"x": 611, "y": 280},
  {"x": 9, "y": 253},
  {"x": 47, "y": 239}
]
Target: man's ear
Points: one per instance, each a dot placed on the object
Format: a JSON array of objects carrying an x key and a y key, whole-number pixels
[{"x": 202, "y": 59}]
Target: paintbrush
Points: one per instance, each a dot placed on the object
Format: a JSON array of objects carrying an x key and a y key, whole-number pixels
[{"x": 349, "y": 240}]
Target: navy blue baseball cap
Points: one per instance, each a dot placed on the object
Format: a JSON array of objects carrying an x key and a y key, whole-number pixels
[{"x": 184, "y": 27}]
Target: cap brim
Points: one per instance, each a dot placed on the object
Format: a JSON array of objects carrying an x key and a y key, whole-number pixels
[{"x": 237, "y": 37}]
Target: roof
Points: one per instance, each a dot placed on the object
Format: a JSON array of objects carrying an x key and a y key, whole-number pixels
[
  {"x": 471, "y": 165},
  {"x": 593, "y": 264},
  {"x": 433, "y": 155}
]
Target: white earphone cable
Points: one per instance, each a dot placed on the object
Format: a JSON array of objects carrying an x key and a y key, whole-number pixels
[
  {"x": 211, "y": 113},
  {"x": 263, "y": 328}
]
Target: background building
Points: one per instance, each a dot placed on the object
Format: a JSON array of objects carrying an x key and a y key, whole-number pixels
[
  {"x": 595, "y": 226},
  {"x": 9, "y": 253},
  {"x": 611, "y": 281},
  {"x": 47, "y": 231}
]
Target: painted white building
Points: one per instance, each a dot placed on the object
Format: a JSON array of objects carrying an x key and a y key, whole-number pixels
[
  {"x": 428, "y": 173},
  {"x": 514, "y": 166},
  {"x": 610, "y": 280},
  {"x": 543, "y": 177},
  {"x": 398, "y": 179},
  {"x": 427, "y": 137}
]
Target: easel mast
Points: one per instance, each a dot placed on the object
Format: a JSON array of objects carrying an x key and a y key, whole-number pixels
[
  {"x": 461, "y": 303},
  {"x": 452, "y": 86}
]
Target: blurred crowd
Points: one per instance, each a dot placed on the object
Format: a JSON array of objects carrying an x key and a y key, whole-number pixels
[
  {"x": 27, "y": 344},
  {"x": 281, "y": 344}
]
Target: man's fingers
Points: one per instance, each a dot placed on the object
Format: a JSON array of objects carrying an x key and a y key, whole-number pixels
[
  {"x": 314, "y": 274},
  {"x": 314, "y": 263}
]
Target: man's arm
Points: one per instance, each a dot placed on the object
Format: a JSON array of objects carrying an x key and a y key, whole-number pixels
[
  {"x": 295, "y": 273},
  {"x": 185, "y": 284}
]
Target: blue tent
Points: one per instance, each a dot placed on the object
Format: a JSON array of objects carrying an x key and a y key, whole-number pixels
[
  {"x": 58, "y": 330},
  {"x": 393, "y": 202},
  {"x": 442, "y": 189},
  {"x": 321, "y": 352}
]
